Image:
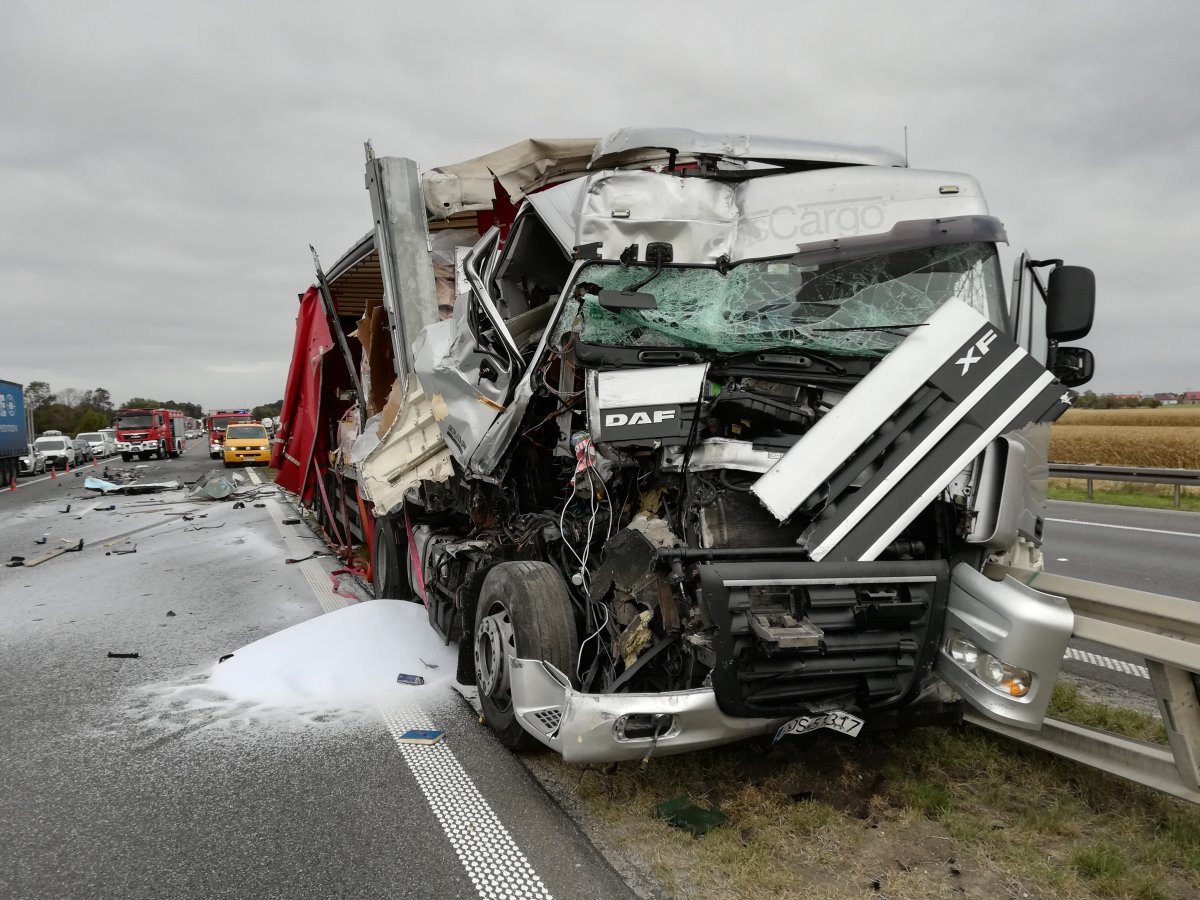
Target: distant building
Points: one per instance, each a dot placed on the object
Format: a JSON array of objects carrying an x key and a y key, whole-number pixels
[
  {"x": 1167, "y": 399},
  {"x": 1190, "y": 397}
]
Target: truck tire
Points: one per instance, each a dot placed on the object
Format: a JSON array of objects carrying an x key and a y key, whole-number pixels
[
  {"x": 127, "y": 457},
  {"x": 389, "y": 562},
  {"x": 524, "y": 611},
  {"x": 159, "y": 454}
]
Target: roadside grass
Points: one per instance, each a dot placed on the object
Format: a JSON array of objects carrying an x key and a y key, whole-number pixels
[
  {"x": 1068, "y": 704},
  {"x": 933, "y": 812},
  {"x": 1126, "y": 495}
]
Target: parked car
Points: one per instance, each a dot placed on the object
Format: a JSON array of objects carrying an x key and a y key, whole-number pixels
[
  {"x": 101, "y": 445},
  {"x": 33, "y": 462},
  {"x": 83, "y": 451},
  {"x": 58, "y": 449},
  {"x": 246, "y": 442}
]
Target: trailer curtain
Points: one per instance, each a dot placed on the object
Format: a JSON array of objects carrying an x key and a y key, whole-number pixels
[{"x": 299, "y": 441}]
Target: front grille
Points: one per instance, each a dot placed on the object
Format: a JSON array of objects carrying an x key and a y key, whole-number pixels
[{"x": 797, "y": 637}]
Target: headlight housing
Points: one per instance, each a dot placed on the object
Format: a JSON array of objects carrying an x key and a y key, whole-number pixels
[{"x": 996, "y": 674}]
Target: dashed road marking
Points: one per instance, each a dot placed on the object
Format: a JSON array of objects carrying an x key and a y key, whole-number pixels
[
  {"x": 1188, "y": 534},
  {"x": 488, "y": 852},
  {"x": 1107, "y": 662},
  {"x": 486, "y": 849}
]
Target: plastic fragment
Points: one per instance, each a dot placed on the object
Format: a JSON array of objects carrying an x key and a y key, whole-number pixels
[
  {"x": 112, "y": 655},
  {"x": 681, "y": 812},
  {"x": 291, "y": 521},
  {"x": 402, "y": 678}
]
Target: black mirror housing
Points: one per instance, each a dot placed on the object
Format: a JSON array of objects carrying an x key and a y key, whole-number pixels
[
  {"x": 615, "y": 301},
  {"x": 1073, "y": 366},
  {"x": 1070, "y": 303}
]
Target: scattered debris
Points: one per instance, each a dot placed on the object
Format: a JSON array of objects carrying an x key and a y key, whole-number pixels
[
  {"x": 428, "y": 665},
  {"x": 67, "y": 510},
  {"x": 420, "y": 736},
  {"x": 133, "y": 549},
  {"x": 239, "y": 505},
  {"x": 225, "y": 657},
  {"x": 314, "y": 555},
  {"x": 108, "y": 487},
  {"x": 260, "y": 506},
  {"x": 15, "y": 562},
  {"x": 409, "y": 679},
  {"x": 291, "y": 521},
  {"x": 170, "y": 612},
  {"x": 112, "y": 655},
  {"x": 45, "y": 537},
  {"x": 29, "y": 563},
  {"x": 203, "y": 527},
  {"x": 681, "y": 812}
]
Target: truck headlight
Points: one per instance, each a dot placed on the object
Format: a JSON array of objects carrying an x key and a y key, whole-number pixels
[{"x": 995, "y": 673}]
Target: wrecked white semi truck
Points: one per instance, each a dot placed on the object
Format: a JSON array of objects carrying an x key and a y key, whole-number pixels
[{"x": 716, "y": 441}]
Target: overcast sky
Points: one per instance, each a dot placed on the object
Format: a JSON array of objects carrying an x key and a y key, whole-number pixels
[{"x": 164, "y": 166}]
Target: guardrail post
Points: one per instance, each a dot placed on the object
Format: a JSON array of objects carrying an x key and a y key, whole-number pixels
[
  {"x": 1180, "y": 707},
  {"x": 1089, "y": 488},
  {"x": 1179, "y": 496}
]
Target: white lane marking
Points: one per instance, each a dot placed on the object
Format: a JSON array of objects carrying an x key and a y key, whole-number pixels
[
  {"x": 490, "y": 855},
  {"x": 312, "y": 570},
  {"x": 486, "y": 849},
  {"x": 1107, "y": 662},
  {"x": 1189, "y": 534}
]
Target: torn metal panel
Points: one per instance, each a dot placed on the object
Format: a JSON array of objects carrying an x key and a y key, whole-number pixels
[
  {"x": 409, "y": 291},
  {"x": 727, "y": 145},
  {"x": 833, "y": 439},
  {"x": 410, "y": 450},
  {"x": 520, "y": 168},
  {"x": 758, "y": 218}
]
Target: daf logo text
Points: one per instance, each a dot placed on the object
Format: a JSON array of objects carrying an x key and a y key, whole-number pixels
[{"x": 616, "y": 420}]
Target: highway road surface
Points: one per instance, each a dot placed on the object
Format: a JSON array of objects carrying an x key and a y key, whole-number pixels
[{"x": 121, "y": 780}]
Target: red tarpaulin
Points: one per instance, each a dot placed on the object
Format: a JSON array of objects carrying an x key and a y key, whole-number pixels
[{"x": 300, "y": 443}]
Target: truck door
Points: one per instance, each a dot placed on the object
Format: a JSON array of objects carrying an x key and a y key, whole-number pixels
[{"x": 1003, "y": 641}]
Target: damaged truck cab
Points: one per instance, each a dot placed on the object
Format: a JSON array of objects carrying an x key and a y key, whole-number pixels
[{"x": 718, "y": 441}]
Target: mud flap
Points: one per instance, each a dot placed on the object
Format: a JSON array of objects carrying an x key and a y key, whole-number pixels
[{"x": 1016, "y": 625}]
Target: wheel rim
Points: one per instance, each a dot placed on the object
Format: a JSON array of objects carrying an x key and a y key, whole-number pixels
[{"x": 495, "y": 645}]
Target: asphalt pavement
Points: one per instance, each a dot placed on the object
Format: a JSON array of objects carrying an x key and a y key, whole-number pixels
[
  {"x": 118, "y": 783},
  {"x": 1151, "y": 550}
]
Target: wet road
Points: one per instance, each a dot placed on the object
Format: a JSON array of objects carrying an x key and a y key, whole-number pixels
[{"x": 119, "y": 783}]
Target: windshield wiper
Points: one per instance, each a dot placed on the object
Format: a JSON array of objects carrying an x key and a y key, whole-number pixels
[
  {"x": 891, "y": 329},
  {"x": 788, "y": 358}
]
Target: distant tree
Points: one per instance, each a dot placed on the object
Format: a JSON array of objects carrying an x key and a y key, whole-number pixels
[
  {"x": 102, "y": 400},
  {"x": 37, "y": 393},
  {"x": 268, "y": 409},
  {"x": 70, "y": 396},
  {"x": 1086, "y": 400},
  {"x": 90, "y": 420},
  {"x": 140, "y": 403},
  {"x": 54, "y": 417}
]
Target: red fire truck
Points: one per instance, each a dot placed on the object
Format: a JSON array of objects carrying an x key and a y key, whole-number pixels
[
  {"x": 150, "y": 432},
  {"x": 215, "y": 424}
]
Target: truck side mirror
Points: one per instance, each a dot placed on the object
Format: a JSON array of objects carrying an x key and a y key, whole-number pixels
[
  {"x": 1070, "y": 303},
  {"x": 1073, "y": 366}
]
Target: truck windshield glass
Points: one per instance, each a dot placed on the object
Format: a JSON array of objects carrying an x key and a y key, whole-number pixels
[
  {"x": 135, "y": 421},
  {"x": 777, "y": 304},
  {"x": 245, "y": 432}
]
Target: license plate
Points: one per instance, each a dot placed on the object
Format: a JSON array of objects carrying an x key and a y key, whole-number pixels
[{"x": 836, "y": 721}]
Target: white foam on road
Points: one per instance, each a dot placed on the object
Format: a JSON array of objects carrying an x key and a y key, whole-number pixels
[{"x": 348, "y": 658}]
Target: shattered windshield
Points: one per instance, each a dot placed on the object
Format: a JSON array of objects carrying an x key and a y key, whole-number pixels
[{"x": 779, "y": 304}]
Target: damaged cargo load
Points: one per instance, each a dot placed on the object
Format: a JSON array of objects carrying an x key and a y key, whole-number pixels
[{"x": 687, "y": 438}]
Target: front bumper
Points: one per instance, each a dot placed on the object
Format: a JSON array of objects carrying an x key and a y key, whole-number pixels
[
  {"x": 136, "y": 447},
  {"x": 594, "y": 728},
  {"x": 233, "y": 455}
]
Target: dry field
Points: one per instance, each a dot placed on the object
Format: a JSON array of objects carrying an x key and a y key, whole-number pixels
[{"x": 1166, "y": 438}]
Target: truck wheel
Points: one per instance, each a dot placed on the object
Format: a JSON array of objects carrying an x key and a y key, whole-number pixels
[
  {"x": 158, "y": 454},
  {"x": 389, "y": 562},
  {"x": 524, "y": 611},
  {"x": 127, "y": 457}
]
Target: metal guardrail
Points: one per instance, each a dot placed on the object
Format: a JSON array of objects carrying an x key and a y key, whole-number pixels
[
  {"x": 1180, "y": 478},
  {"x": 1165, "y": 632}
]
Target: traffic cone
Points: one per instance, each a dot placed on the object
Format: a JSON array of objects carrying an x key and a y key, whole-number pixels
[
  {"x": 94, "y": 465},
  {"x": 68, "y": 465},
  {"x": 12, "y": 482},
  {"x": 53, "y": 473}
]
